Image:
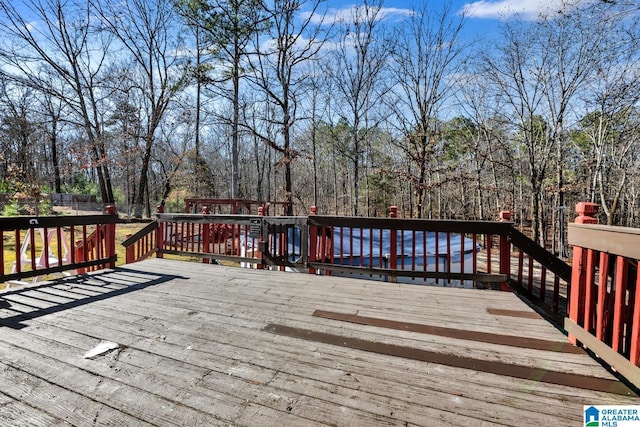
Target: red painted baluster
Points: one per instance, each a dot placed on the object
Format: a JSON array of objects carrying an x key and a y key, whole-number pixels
[
  {"x": 489, "y": 238},
  {"x": 371, "y": 231},
  {"x": 462, "y": 256},
  {"x": 448, "y": 256},
  {"x": 474, "y": 238},
  {"x": 619, "y": 307},
  {"x": 530, "y": 275},
  {"x": 590, "y": 291},
  {"x": 260, "y": 266},
  {"x": 32, "y": 248},
  {"x": 437, "y": 269},
  {"x": 520, "y": 268},
  {"x": 634, "y": 354}
]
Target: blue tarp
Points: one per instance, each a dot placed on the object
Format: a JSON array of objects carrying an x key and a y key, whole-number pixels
[{"x": 348, "y": 243}]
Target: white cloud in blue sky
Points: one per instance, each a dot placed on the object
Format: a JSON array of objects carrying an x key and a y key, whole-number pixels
[
  {"x": 345, "y": 14},
  {"x": 504, "y": 9}
]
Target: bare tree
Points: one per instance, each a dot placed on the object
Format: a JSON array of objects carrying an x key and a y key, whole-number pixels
[
  {"x": 570, "y": 46},
  {"x": 537, "y": 71},
  {"x": 358, "y": 63},
  {"x": 145, "y": 30},
  {"x": 612, "y": 129},
  {"x": 61, "y": 45},
  {"x": 278, "y": 73},
  {"x": 426, "y": 53},
  {"x": 226, "y": 28}
]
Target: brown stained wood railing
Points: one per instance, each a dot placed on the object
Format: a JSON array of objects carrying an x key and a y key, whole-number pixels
[
  {"x": 46, "y": 244},
  {"x": 604, "y": 305}
]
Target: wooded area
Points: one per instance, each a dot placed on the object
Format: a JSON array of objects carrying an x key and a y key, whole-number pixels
[{"x": 352, "y": 111}]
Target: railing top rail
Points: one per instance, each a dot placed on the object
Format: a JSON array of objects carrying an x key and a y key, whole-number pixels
[
  {"x": 540, "y": 254},
  {"x": 616, "y": 240},
  {"x": 26, "y": 222},
  {"x": 204, "y": 218},
  {"x": 459, "y": 226},
  {"x": 229, "y": 219},
  {"x": 152, "y": 226}
]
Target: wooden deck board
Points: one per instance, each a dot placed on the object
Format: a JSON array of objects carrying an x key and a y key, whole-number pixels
[
  {"x": 213, "y": 316},
  {"x": 194, "y": 351}
]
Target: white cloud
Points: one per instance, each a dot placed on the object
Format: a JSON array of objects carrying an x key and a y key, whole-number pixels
[
  {"x": 345, "y": 14},
  {"x": 526, "y": 9}
]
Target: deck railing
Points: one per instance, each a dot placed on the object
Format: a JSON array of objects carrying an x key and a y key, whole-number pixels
[
  {"x": 46, "y": 245},
  {"x": 481, "y": 254},
  {"x": 604, "y": 306},
  {"x": 253, "y": 240}
]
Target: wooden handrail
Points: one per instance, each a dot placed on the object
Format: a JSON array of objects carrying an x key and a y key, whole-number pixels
[{"x": 540, "y": 254}]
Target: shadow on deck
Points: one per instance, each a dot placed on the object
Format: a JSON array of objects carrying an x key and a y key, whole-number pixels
[{"x": 31, "y": 302}]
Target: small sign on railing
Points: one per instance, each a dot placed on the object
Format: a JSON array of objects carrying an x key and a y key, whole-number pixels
[{"x": 255, "y": 231}]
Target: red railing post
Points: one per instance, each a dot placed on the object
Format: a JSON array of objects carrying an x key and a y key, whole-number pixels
[
  {"x": 79, "y": 255},
  {"x": 577, "y": 287},
  {"x": 505, "y": 252},
  {"x": 393, "y": 244},
  {"x": 159, "y": 233},
  {"x": 313, "y": 241},
  {"x": 110, "y": 237},
  {"x": 261, "y": 242},
  {"x": 130, "y": 253},
  {"x": 207, "y": 229}
]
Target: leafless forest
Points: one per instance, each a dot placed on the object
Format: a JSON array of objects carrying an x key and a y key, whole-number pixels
[{"x": 145, "y": 102}]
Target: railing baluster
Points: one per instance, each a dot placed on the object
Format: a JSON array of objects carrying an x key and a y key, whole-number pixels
[
  {"x": 448, "y": 256},
  {"x": 618, "y": 310},
  {"x": 489, "y": 238},
  {"x": 634, "y": 353},
  {"x": 2, "y": 253},
  {"x": 590, "y": 297}
]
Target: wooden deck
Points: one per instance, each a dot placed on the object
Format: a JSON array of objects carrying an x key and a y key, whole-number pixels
[{"x": 210, "y": 345}]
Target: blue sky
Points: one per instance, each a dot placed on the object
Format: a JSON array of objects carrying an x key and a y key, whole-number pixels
[{"x": 484, "y": 16}]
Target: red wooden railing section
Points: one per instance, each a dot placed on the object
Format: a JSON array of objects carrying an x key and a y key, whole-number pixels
[
  {"x": 496, "y": 255},
  {"x": 45, "y": 245},
  {"x": 604, "y": 304},
  {"x": 490, "y": 254}
]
